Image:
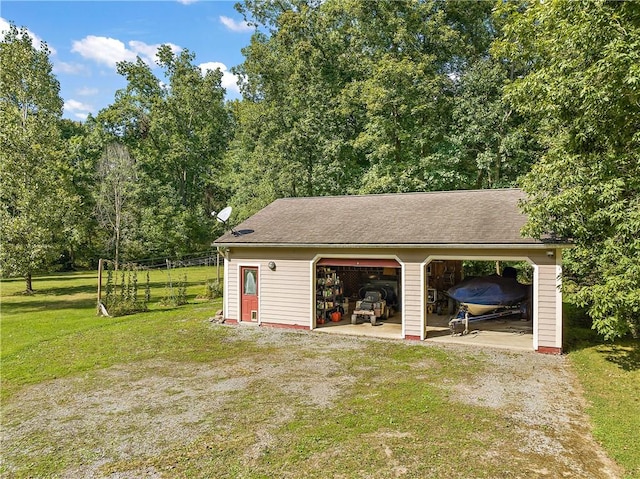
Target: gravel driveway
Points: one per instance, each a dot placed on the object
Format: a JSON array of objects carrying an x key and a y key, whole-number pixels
[{"x": 131, "y": 412}]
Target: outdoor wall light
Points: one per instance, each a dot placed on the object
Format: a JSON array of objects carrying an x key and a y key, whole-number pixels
[
  {"x": 550, "y": 253},
  {"x": 272, "y": 265}
]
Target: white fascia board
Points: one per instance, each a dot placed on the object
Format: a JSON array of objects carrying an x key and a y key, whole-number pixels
[{"x": 399, "y": 246}]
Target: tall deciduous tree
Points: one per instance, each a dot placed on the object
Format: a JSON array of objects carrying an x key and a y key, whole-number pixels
[
  {"x": 584, "y": 89},
  {"x": 35, "y": 203},
  {"x": 489, "y": 143},
  {"x": 368, "y": 97},
  {"x": 115, "y": 193},
  {"x": 82, "y": 150},
  {"x": 410, "y": 53},
  {"x": 176, "y": 130}
]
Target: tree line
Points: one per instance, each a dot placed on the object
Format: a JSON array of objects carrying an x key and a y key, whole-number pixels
[{"x": 343, "y": 97}]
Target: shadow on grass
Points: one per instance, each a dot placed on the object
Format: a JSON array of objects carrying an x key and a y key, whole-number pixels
[
  {"x": 71, "y": 290},
  {"x": 625, "y": 355},
  {"x": 157, "y": 287},
  {"x": 15, "y": 307},
  {"x": 51, "y": 277}
]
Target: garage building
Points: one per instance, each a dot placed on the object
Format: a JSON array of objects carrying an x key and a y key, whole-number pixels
[{"x": 300, "y": 260}]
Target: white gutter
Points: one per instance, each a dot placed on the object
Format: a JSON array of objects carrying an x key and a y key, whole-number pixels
[{"x": 400, "y": 245}]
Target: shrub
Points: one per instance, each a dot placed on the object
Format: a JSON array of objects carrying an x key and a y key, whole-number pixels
[{"x": 213, "y": 289}]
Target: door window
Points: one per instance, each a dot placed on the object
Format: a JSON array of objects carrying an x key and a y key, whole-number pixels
[{"x": 250, "y": 281}]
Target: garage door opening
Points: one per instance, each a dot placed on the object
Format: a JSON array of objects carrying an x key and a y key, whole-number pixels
[
  {"x": 359, "y": 296},
  {"x": 480, "y": 302}
]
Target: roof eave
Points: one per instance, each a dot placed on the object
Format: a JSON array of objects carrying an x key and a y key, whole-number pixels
[{"x": 398, "y": 245}]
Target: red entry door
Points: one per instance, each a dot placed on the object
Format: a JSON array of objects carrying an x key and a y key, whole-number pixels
[{"x": 249, "y": 293}]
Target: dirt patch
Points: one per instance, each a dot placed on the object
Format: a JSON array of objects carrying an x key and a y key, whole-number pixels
[
  {"x": 542, "y": 397},
  {"x": 131, "y": 412}
]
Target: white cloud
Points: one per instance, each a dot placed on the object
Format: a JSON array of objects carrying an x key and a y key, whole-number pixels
[
  {"x": 81, "y": 116},
  {"x": 68, "y": 68},
  {"x": 4, "y": 26},
  {"x": 229, "y": 80},
  {"x": 104, "y": 50},
  {"x": 87, "y": 91},
  {"x": 148, "y": 52},
  {"x": 187, "y": 2},
  {"x": 110, "y": 51},
  {"x": 77, "y": 109},
  {"x": 235, "y": 26},
  {"x": 35, "y": 39}
]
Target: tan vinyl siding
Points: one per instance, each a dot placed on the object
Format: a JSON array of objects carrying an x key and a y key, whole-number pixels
[
  {"x": 232, "y": 291},
  {"x": 285, "y": 293},
  {"x": 412, "y": 305},
  {"x": 547, "y": 296}
]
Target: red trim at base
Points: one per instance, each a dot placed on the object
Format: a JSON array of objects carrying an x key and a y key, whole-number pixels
[
  {"x": 549, "y": 350},
  {"x": 412, "y": 338},
  {"x": 230, "y": 321},
  {"x": 284, "y": 326}
]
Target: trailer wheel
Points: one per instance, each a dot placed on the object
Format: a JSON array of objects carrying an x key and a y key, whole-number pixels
[{"x": 525, "y": 311}]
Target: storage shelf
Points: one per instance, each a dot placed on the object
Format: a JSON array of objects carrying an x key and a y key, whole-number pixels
[{"x": 329, "y": 294}]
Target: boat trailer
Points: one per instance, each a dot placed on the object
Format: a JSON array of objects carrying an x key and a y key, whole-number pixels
[{"x": 460, "y": 324}]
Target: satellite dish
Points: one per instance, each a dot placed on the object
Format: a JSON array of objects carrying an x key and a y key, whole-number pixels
[{"x": 223, "y": 216}]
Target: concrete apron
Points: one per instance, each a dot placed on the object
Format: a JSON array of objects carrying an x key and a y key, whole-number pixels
[{"x": 511, "y": 334}]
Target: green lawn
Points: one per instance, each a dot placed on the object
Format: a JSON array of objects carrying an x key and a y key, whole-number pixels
[
  {"x": 610, "y": 377},
  {"x": 56, "y": 332},
  {"x": 379, "y": 408}
]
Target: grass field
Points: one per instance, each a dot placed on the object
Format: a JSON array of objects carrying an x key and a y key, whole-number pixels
[
  {"x": 610, "y": 377},
  {"x": 165, "y": 393},
  {"x": 56, "y": 331}
]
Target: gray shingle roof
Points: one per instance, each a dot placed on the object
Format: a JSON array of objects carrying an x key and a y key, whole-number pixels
[{"x": 435, "y": 218}]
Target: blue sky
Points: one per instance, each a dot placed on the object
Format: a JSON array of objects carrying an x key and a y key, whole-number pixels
[{"x": 87, "y": 38}]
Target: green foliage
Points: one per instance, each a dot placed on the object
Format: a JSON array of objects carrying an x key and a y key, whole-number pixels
[
  {"x": 583, "y": 90},
  {"x": 175, "y": 293},
  {"x": 82, "y": 240},
  {"x": 176, "y": 136},
  {"x": 147, "y": 290},
  {"x": 124, "y": 300},
  {"x": 489, "y": 140},
  {"x": 371, "y": 97},
  {"x": 182, "y": 290},
  {"x": 485, "y": 268},
  {"x": 213, "y": 289},
  {"x": 37, "y": 204}
]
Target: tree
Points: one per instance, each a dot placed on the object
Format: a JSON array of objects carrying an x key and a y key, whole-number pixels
[
  {"x": 488, "y": 139},
  {"x": 350, "y": 96},
  {"x": 35, "y": 201},
  {"x": 176, "y": 131},
  {"x": 584, "y": 91},
  {"x": 82, "y": 245},
  {"x": 406, "y": 86},
  {"x": 115, "y": 191},
  {"x": 293, "y": 129}
]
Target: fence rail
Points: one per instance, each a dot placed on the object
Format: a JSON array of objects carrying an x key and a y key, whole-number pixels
[
  {"x": 184, "y": 263},
  {"x": 211, "y": 259}
]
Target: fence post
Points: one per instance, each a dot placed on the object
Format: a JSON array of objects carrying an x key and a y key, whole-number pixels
[
  {"x": 169, "y": 275},
  {"x": 99, "y": 286}
]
